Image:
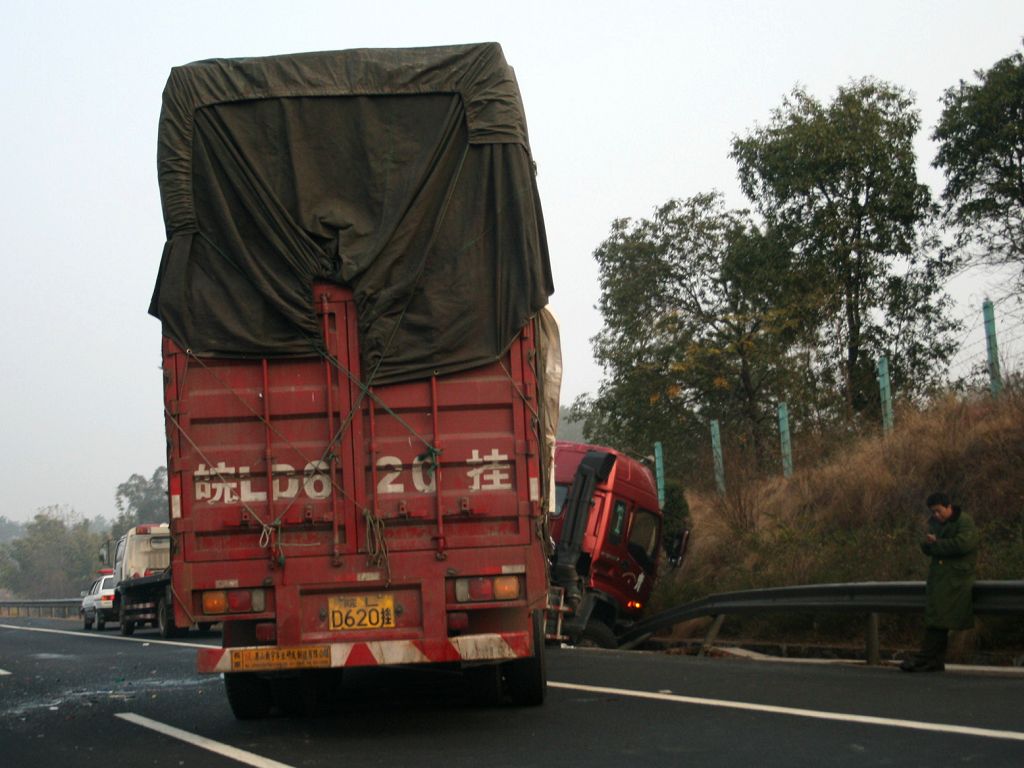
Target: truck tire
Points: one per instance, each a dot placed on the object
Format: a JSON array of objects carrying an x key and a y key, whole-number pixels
[
  {"x": 248, "y": 694},
  {"x": 127, "y": 627},
  {"x": 165, "y": 619},
  {"x": 528, "y": 678},
  {"x": 597, "y": 635}
]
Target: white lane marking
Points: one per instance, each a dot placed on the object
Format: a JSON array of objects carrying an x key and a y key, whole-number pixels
[
  {"x": 964, "y": 730},
  {"x": 101, "y": 636},
  {"x": 4, "y": 672},
  {"x": 202, "y": 742}
]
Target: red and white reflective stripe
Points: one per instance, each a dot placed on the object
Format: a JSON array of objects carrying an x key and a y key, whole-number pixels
[
  {"x": 488, "y": 647},
  {"x": 174, "y": 487}
]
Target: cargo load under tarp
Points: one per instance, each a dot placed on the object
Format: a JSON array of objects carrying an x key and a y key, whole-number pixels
[{"x": 405, "y": 174}]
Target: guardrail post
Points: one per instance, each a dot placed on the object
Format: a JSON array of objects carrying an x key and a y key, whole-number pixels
[
  {"x": 712, "y": 635},
  {"x": 873, "y": 656}
]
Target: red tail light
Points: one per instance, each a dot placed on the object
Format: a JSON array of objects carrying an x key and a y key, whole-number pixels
[
  {"x": 487, "y": 588},
  {"x": 239, "y": 600}
]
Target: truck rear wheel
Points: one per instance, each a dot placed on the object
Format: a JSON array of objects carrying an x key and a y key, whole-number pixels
[
  {"x": 165, "y": 619},
  {"x": 528, "y": 678},
  {"x": 127, "y": 627},
  {"x": 248, "y": 694}
]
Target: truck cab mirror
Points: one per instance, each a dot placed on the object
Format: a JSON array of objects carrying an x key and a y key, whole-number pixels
[{"x": 676, "y": 548}]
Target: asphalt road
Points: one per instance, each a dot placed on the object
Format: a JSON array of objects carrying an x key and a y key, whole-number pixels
[{"x": 71, "y": 697}]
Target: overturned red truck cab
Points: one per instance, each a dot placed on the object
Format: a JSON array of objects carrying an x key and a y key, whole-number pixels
[
  {"x": 357, "y": 369},
  {"x": 606, "y": 524}
]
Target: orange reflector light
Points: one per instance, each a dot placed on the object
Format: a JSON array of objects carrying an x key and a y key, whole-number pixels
[
  {"x": 215, "y": 602},
  {"x": 634, "y": 604},
  {"x": 506, "y": 587}
]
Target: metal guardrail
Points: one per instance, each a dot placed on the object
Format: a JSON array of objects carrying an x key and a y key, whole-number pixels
[
  {"x": 59, "y": 608},
  {"x": 871, "y": 598}
]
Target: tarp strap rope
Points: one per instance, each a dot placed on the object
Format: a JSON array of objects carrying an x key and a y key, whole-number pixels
[
  {"x": 366, "y": 392},
  {"x": 377, "y": 544}
]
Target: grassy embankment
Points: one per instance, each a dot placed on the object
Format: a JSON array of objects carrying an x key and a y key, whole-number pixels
[{"x": 859, "y": 517}]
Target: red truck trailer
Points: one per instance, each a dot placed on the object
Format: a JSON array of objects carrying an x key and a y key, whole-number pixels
[{"x": 354, "y": 364}]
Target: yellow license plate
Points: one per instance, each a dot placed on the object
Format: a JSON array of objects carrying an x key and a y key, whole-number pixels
[
  {"x": 354, "y": 612},
  {"x": 256, "y": 659}
]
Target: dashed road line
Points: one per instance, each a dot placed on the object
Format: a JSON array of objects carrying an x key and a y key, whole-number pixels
[
  {"x": 101, "y": 636},
  {"x": 963, "y": 730},
  {"x": 225, "y": 750},
  {"x": 4, "y": 672}
]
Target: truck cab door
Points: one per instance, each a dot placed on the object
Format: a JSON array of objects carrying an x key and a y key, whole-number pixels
[{"x": 642, "y": 548}]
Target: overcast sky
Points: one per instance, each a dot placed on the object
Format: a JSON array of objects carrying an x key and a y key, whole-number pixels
[{"x": 628, "y": 105}]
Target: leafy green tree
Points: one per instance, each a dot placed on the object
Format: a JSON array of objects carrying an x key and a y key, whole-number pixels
[
  {"x": 140, "y": 500},
  {"x": 837, "y": 182},
  {"x": 56, "y": 556},
  {"x": 699, "y": 313},
  {"x": 981, "y": 151}
]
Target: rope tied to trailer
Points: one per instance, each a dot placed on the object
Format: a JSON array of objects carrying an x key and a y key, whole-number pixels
[
  {"x": 377, "y": 545},
  {"x": 365, "y": 392}
]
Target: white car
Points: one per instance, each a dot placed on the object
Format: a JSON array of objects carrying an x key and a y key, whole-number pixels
[{"x": 98, "y": 602}]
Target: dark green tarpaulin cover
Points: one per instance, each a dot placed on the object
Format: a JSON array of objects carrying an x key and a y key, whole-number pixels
[{"x": 405, "y": 174}]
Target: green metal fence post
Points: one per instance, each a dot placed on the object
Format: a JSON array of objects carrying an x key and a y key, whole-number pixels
[
  {"x": 659, "y": 472},
  {"x": 995, "y": 379},
  {"x": 886, "y": 392},
  {"x": 787, "y": 447},
  {"x": 716, "y": 448}
]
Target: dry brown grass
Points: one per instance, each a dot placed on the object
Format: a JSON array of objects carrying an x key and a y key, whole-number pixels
[{"x": 859, "y": 516}]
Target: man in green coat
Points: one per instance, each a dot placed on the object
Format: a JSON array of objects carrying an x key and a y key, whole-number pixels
[{"x": 952, "y": 545}]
